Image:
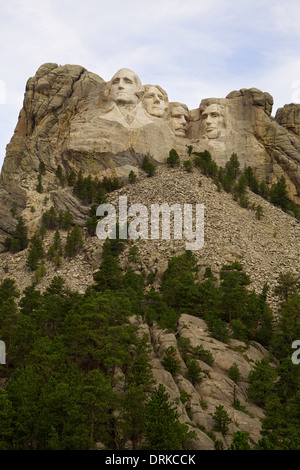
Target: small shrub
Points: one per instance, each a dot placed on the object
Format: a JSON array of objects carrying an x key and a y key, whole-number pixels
[
  {"x": 258, "y": 212},
  {"x": 194, "y": 371},
  {"x": 148, "y": 166},
  {"x": 170, "y": 361},
  {"x": 234, "y": 373},
  {"x": 132, "y": 177},
  {"x": 173, "y": 158},
  {"x": 221, "y": 419},
  {"x": 188, "y": 166}
]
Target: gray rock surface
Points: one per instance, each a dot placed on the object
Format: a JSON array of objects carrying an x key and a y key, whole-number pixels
[{"x": 69, "y": 118}]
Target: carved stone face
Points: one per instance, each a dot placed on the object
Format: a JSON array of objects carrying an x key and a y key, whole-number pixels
[
  {"x": 125, "y": 86},
  {"x": 179, "y": 118},
  {"x": 212, "y": 120},
  {"x": 154, "y": 101}
]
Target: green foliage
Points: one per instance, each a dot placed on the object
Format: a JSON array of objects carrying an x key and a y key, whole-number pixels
[
  {"x": 6, "y": 421},
  {"x": 228, "y": 175},
  {"x": 279, "y": 194},
  {"x": 32, "y": 258},
  {"x": 148, "y": 166},
  {"x": 221, "y": 419},
  {"x": 287, "y": 284},
  {"x": 132, "y": 177},
  {"x": 170, "y": 360},
  {"x": 156, "y": 309},
  {"x": 173, "y": 158},
  {"x": 74, "y": 242},
  {"x": 259, "y": 212},
  {"x": 8, "y": 290},
  {"x": 261, "y": 382},
  {"x": 234, "y": 372},
  {"x": 198, "y": 352},
  {"x": 39, "y": 186},
  {"x": 90, "y": 190},
  {"x": 162, "y": 429},
  {"x": 287, "y": 329},
  {"x": 53, "y": 220},
  {"x": 218, "y": 329},
  {"x": 109, "y": 275},
  {"x": 193, "y": 371},
  {"x": 189, "y": 150},
  {"x": 36, "y": 252},
  {"x": 66, "y": 352},
  {"x": 205, "y": 163},
  {"x": 42, "y": 168},
  {"x": 134, "y": 254},
  {"x": 240, "y": 187},
  {"x": 71, "y": 178},
  {"x": 240, "y": 441},
  {"x": 19, "y": 240},
  {"x": 264, "y": 190},
  {"x": 178, "y": 283},
  {"x": 233, "y": 288},
  {"x": 39, "y": 273},
  {"x": 14, "y": 208},
  {"x": 188, "y": 166},
  {"x": 55, "y": 251},
  {"x": 251, "y": 180},
  {"x": 60, "y": 175}
]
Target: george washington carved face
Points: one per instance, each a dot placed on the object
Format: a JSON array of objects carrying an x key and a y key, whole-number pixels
[{"x": 125, "y": 87}]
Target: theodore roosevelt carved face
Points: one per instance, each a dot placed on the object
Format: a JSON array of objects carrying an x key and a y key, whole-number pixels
[
  {"x": 126, "y": 87},
  {"x": 155, "y": 100},
  {"x": 212, "y": 119},
  {"x": 178, "y": 118}
]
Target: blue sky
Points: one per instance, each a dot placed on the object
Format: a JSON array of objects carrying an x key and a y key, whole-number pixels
[{"x": 194, "y": 49}]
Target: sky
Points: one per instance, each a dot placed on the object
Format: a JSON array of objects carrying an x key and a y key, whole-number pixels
[{"x": 194, "y": 49}]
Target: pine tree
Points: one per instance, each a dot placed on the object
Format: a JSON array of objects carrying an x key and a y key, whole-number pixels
[
  {"x": 148, "y": 166},
  {"x": 20, "y": 236},
  {"x": 39, "y": 186},
  {"x": 173, "y": 158},
  {"x": 132, "y": 177},
  {"x": 74, "y": 242},
  {"x": 221, "y": 419},
  {"x": 32, "y": 258},
  {"x": 240, "y": 441},
  {"x": 162, "y": 429},
  {"x": 261, "y": 382}
]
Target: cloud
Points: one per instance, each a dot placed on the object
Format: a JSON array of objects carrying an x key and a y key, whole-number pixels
[{"x": 193, "y": 49}]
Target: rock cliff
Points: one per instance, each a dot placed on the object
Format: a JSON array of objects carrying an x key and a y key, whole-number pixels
[{"x": 73, "y": 118}]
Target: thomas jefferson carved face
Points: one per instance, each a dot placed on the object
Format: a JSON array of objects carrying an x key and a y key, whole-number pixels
[
  {"x": 155, "y": 100},
  {"x": 125, "y": 87},
  {"x": 179, "y": 118},
  {"x": 212, "y": 119}
]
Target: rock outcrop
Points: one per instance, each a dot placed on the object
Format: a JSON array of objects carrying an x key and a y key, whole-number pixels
[
  {"x": 73, "y": 118},
  {"x": 215, "y": 388},
  {"x": 264, "y": 247}
]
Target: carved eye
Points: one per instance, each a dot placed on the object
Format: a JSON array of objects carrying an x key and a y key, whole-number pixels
[
  {"x": 127, "y": 80},
  {"x": 115, "y": 81}
]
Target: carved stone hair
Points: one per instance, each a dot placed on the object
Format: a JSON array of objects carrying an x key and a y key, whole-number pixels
[
  {"x": 140, "y": 92},
  {"x": 163, "y": 92}
]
